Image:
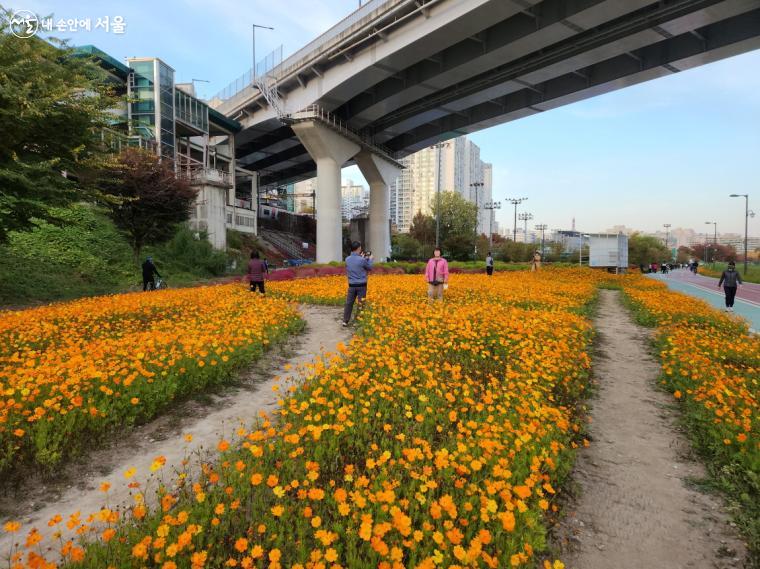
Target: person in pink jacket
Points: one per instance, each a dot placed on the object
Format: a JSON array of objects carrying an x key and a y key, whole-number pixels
[{"x": 437, "y": 275}]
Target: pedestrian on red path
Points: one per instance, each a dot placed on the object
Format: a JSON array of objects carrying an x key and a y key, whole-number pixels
[
  {"x": 256, "y": 271},
  {"x": 730, "y": 279}
]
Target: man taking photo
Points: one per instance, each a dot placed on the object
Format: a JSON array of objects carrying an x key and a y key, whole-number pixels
[{"x": 358, "y": 266}]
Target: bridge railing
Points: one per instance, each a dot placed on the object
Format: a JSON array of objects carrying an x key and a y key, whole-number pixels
[
  {"x": 315, "y": 112},
  {"x": 281, "y": 68}
]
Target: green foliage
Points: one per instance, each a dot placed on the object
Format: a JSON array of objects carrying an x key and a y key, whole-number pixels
[
  {"x": 512, "y": 252},
  {"x": 87, "y": 255},
  {"x": 406, "y": 247},
  {"x": 457, "y": 226},
  {"x": 646, "y": 249},
  {"x": 47, "y": 127},
  {"x": 187, "y": 253}
]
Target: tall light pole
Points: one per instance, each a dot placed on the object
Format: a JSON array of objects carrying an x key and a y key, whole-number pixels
[
  {"x": 515, "y": 202},
  {"x": 476, "y": 185},
  {"x": 746, "y": 225},
  {"x": 491, "y": 206},
  {"x": 667, "y": 231},
  {"x": 438, "y": 146},
  {"x": 526, "y": 217},
  {"x": 715, "y": 239},
  {"x": 253, "y": 30},
  {"x": 542, "y": 227}
]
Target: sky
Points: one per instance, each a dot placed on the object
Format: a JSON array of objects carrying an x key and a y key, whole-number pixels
[{"x": 666, "y": 151}]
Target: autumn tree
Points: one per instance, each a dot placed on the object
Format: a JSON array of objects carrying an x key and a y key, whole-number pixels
[{"x": 152, "y": 200}]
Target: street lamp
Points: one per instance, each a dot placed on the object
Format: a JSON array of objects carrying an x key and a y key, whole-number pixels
[
  {"x": 515, "y": 202},
  {"x": 491, "y": 206},
  {"x": 715, "y": 239},
  {"x": 476, "y": 185},
  {"x": 667, "y": 231},
  {"x": 542, "y": 227},
  {"x": 438, "y": 146},
  {"x": 746, "y": 224},
  {"x": 526, "y": 217},
  {"x": 253, "y": 30}
]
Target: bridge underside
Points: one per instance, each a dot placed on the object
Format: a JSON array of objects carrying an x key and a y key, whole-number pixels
[{"x": 499, "y": 62}]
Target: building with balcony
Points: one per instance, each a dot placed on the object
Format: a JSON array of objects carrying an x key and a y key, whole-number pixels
[{"x": 167, "y": 118}]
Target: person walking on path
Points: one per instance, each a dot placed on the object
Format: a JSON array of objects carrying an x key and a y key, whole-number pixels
[
  {"x": 358, "y": 266},
  {"x": 148, "y": 272},
  {"x": 536, "y": 263},
  {"x": 256, "y": 271},
  {"x": 489, "y": 264},
  {"x": 730, "y": 279},
  {"x": 437, "y": 275}
]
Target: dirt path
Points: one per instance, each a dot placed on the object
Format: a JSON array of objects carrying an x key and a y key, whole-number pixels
[
  {"x": 206, "y": 420},
  {"x": 636, "y": 508}
]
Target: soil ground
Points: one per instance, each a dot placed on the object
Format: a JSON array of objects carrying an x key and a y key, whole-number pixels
[{"x": 638, "y": 505}]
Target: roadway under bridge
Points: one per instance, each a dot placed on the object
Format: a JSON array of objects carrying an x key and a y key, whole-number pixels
[{"x": 397, "y": 76}]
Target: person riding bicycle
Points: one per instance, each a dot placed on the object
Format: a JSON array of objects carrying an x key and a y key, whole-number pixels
[{"x": 148, "y": 272}]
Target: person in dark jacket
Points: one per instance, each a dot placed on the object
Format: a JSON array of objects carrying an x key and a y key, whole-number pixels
[
  {"x": 148, "y": 271},
  {"x": 730, "y": 279},
  {"x": 256, "y": 271},
  {"x": 358, "y": 266}
]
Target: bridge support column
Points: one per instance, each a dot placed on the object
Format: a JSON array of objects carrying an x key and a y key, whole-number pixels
[
  {"x": 330, "y": 151},
  {"x": 380, "y": 174}
]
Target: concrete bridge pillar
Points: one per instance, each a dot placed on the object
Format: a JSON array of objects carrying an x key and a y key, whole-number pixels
[
  {"x": 330, "y": 151},
  {"x": 380, "y": 174}
]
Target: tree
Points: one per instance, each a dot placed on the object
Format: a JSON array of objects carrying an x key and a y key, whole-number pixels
[
  {"x": 423, "y": 229},
  {"x": 646, "y": 249},
  {"x": 406, "y": 247},
  {"x": 52, "y": 104},
  {"x": 684, "y": 254},
  {"x": 153, "y": 200},
  {"x": 514, "y": 252},
  {"x": 457, "y": 226}
]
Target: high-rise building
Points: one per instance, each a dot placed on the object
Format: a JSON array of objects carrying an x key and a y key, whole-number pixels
[
  {"x": 354, "y": 200},
  {"x": 451, "y": 166},
  {"x": 303, "y": 200}
]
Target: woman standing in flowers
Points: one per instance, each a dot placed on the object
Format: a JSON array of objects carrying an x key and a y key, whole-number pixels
[
  {"x": 437, "y": 275},
  {"x": 256, "y": 270}
]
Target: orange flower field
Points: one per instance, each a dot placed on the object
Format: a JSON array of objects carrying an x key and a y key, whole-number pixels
[
  {"x": 441, "y": 436},
  {"x": 72, "y": 371}
]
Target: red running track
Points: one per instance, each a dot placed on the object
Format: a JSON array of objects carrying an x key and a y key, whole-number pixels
[{"x": 749, "y": 292}]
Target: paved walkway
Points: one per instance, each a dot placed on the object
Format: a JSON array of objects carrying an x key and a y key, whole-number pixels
[{"x": 747, "y": 302}]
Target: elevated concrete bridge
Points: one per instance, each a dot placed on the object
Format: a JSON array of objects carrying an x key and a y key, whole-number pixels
[{"x": 399, "y": 75}]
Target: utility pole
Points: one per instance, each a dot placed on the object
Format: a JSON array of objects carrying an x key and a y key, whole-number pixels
[
  {"x": 667, "y": 230},
  {"x": 491, "y": 206},
  {"x": 476, "y": 185},
  {"x": 746, "y": 225},
  {"x": 253, "y": 30},
  {"x": 515, "y": 202},
  {"x": 542, "y": 227},
  {"x": 526, "y": 217},
  {"x": 438, "y": 146},
  {"x": 715, "y": 240}
]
